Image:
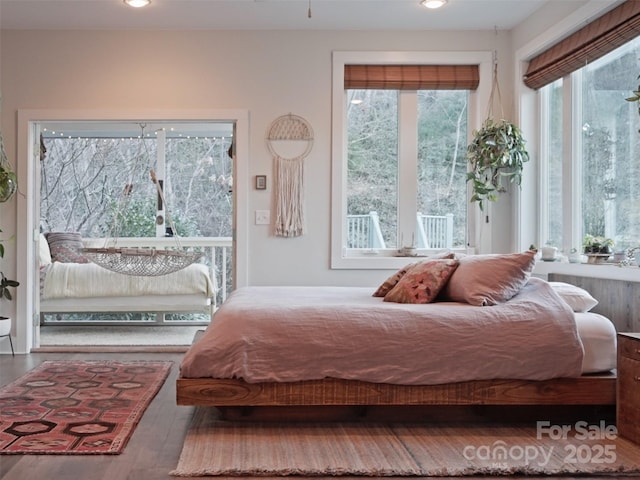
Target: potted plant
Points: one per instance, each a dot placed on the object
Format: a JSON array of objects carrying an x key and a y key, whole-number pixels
[
  {"x": 8, "y": 183},
  {"x": 5, "y": 292},
  {"x": 597, "y": 249},
  {"x": 496, "y": 155},
  {"x": 8, "y": 178},
  {"x": 5, "y": 283}
]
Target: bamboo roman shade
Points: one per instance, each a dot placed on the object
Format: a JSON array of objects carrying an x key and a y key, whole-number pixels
[
  {"x": 603, "y": 35},
  {"x": 412, "y": 77}
]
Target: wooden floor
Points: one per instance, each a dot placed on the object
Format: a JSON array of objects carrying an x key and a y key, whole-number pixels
[{"x": 152, "y": 451}]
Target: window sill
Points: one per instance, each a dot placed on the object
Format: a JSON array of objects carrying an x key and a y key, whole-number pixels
[
  {"x": 610, "y": 271},
  {"x": 381, "y": 260}
]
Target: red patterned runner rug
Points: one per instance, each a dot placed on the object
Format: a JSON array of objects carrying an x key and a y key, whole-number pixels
[{"x": 71, "y": 407}]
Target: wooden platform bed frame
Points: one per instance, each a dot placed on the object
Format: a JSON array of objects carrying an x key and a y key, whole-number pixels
[{"x": 592, "y": 389}]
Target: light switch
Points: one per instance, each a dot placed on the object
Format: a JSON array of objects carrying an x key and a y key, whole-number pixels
[{"x": 263, "y": 217}]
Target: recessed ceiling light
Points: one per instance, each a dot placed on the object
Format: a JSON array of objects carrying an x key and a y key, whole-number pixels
[
  {"x": 433, "y": 3},
  {"x": 137, "y": 3}
]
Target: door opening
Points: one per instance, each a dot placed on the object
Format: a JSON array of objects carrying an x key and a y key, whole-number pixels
[{"x": 94, "y": 183}]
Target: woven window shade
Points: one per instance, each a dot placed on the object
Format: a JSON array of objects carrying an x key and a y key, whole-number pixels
[
  {"x": 412, "y": 77},
  {"x": 603, "y": 35}
]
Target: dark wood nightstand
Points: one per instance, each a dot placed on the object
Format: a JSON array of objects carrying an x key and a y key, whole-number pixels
[{"x": 628, "y": 386}]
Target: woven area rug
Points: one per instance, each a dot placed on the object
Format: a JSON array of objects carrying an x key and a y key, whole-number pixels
[
  {"x": 217, "y": 448},
  {"x": 68, "y": 407}
]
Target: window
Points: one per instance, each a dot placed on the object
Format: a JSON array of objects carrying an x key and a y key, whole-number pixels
[
  {"x": 399, "y": 154},
  {"x": 433, "y": 188},
  {"x": 600, "y": 161}
]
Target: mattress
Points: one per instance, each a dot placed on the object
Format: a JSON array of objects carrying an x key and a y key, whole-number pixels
[
  {"x": 598, "y": 336},
  {"x": 89, "y": 280}
]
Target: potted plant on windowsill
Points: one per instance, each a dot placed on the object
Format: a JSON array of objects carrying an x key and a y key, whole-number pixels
[{"x": 597, "y": 249}]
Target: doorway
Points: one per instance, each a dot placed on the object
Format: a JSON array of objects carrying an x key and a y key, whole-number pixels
[{"x": 199, "y": 169}]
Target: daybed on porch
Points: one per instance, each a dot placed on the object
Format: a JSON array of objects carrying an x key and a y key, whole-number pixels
[{"x": 70, "y": 283}]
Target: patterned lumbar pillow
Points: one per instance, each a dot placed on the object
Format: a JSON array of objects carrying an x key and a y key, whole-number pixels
[
  {"x": 423, "y": 282},
  {"x": 391, "y": 282}
]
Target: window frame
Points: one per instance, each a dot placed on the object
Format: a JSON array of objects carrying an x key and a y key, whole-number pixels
[{"x": 477, "y": 100}]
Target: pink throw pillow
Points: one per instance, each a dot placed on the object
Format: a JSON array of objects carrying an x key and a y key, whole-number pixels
[
  {"x": 489, "y": 279},
  {"x": 422, "y": 282}
]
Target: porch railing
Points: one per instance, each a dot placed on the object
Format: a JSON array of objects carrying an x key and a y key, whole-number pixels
[
  {"x": 363, "y": 231},
  {"x": 432, "y": 231}
]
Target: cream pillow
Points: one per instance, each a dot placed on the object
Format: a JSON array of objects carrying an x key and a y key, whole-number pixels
[
  {"x": 489, "y": 279},
  {"x": 577, "y": 298},
  {"x": 44, "y": 254}
]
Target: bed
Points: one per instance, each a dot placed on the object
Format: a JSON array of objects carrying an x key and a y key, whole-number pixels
[
  {"x": 69, "y": 283},
  {"x": 522, "y": 341}
]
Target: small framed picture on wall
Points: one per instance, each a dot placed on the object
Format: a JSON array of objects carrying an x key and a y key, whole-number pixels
[{"x": 261, "y": 182}]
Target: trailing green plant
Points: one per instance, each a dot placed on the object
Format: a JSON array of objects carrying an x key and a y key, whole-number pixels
[
  {"x": 496, "y": 155},
  {"x": 8, "y": 178},
  {"x": 5, "y": 283}
]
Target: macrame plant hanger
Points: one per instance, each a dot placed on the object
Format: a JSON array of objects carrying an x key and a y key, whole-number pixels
[
  {"x": 289, "y": 172},
  {"x": 147, "y": 262},
  {"x": 495, "y": 90}
]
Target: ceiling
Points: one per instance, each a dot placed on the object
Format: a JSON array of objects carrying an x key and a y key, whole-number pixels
[{"x": 266, "y": 14}]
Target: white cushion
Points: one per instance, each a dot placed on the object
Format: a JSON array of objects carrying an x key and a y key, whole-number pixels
[{"x": 578, "y": 298}]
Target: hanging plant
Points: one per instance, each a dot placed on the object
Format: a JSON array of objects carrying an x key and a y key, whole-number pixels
[
  {"x": 8, "y": 183},
  {"x": 8, "y": 178},
  {"x": 496, "y": 154}
]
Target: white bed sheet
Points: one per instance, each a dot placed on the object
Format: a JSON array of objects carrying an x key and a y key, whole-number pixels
[{"x": 598, "y": 336}]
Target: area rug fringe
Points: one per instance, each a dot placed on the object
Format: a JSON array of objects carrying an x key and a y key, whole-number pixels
[{"x": 230, "y": 449}]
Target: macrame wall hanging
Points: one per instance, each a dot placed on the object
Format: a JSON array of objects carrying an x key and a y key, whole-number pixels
[{"x": 289, "y": 140}]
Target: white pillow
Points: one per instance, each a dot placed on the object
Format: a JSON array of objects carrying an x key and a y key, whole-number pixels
[
  {"x": 578, "y": 298},
  {"x": 44, "y": 254}
]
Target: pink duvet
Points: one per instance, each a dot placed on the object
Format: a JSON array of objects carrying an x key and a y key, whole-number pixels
[{"x": 286, "y": 334}]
